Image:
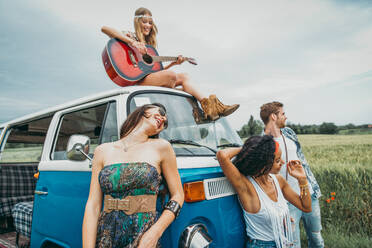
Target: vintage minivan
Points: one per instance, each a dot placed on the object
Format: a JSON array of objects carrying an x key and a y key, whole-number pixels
[{"x": 211, "y": 215}]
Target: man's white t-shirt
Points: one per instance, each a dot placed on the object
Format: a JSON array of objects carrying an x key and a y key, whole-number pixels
[{"x": 292, "y": 155}]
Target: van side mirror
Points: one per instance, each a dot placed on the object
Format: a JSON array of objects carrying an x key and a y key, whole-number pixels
[{"x": 78, "y": 147}]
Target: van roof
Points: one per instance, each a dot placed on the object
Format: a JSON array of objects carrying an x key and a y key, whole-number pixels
[{"x": 86, "y": 99}]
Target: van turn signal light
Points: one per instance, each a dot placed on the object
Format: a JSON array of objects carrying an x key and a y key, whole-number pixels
[
  {"x": 36, "y": 175},
  {"x": 194, "y": 191}
]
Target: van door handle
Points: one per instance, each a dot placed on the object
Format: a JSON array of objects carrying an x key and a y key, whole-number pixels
[{"x": 38, "y": 192}]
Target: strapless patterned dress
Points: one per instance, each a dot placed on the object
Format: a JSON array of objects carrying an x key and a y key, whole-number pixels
[{"x": 116, "y": 229}]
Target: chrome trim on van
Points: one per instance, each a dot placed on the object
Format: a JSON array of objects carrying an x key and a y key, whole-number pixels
[
  {"x": 217, "y": 187},
  {"x": 38, "y": 192},
  {"x": 195, "y": 236},
  {"x": 78, "y": 147}
]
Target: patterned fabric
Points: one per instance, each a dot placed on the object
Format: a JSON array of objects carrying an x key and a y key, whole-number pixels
[
  {"x": 116, "y": 229},
  {"x": 7, "y": 203},
  {"x": 290, "y": 134},
  {"x": 22, "y": 217},
  {"x": 17, "y": 184}
]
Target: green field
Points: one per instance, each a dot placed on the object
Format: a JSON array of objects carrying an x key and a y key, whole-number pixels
[
  {"x": 343, "y": 164},
  {"x": 338, "y": 151},
  {"x": 24, "y": 154}
]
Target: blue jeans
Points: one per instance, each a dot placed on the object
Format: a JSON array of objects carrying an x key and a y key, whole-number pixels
[
  {"x": 312, "y": 225},
  {"x": 256, "y": 243}
]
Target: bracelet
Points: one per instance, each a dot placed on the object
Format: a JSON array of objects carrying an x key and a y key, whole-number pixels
[
  {"x": 304, "y": 185},
  {"x": 174, "y": 207},
  {"x": 303, "y": 190}
]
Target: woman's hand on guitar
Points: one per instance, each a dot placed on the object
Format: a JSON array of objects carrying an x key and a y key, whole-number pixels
[
  {"x": 141, "y": 47},
  {"x": 180, "y": 60}
]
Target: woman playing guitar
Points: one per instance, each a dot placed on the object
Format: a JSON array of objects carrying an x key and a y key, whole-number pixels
[{"x": 145, "y": 33}]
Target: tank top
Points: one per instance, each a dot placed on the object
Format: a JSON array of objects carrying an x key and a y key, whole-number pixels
[{"x": 272, "y": 221}]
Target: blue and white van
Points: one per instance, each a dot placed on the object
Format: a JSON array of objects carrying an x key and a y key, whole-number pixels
[{"x": 211, "y": 215}]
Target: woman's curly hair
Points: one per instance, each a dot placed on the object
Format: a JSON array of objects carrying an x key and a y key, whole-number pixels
[{"x": 256, "y": 156}]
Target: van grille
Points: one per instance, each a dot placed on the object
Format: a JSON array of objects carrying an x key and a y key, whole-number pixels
[{"x": 217, "y": 187}]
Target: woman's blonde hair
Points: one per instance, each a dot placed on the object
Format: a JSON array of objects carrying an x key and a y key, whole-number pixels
[{"x": 151, "y": 38}]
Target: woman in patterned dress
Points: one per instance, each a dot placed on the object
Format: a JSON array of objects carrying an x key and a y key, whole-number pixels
[
  {"x": 145, "y": 34},
  {"x": 132, "y": 166}
]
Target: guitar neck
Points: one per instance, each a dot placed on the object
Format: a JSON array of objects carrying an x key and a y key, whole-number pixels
[{"x": 165, "y": 58}]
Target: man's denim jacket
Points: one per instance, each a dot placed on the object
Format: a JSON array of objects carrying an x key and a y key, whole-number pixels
[{"x": 290, "y": 134}]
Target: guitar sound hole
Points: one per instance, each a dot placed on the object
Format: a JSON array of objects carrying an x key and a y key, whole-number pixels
[{"x": 147, "y": 58}]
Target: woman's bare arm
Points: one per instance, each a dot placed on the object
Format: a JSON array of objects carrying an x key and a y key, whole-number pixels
[
  {"x": 180, "y": 60},
  {"x": 231, "y": 172},
  {"x": 113, "y": 33},
  {"x": 172, "y": 177},
  {"x": 247, "y": 194},
  {"x": 94, "y": 203},
  {"x": 301, "y": 202}
]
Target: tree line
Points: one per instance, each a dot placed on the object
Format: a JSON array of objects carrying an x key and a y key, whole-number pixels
[{"x": 255, "y": 127}]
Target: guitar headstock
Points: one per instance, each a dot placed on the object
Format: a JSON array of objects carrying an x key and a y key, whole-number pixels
[{"x": 192, "y": 61}]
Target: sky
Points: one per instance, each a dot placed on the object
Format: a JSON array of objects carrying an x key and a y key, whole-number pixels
[{"x": 314, "y": 56}]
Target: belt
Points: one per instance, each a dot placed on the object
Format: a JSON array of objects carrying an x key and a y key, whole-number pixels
[{"x": 130, "y": 204}]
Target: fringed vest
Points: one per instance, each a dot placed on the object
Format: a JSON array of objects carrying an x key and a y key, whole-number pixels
[{"x": 272, "y": 222}]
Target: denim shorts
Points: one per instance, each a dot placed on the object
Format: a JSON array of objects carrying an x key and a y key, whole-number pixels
[{"x": 256, "y": 243}]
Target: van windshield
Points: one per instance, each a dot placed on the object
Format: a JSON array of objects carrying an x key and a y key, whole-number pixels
[{"x": 188, "y": 132}]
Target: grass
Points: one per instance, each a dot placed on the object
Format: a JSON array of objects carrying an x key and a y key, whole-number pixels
[
  {"x": 342, "y": 164},
  {"x": 25, "y": 154},
  {"x": 336, "y": 238},
  {"x": 343, "y": 151},
  {"x": 313, "y": 140}
]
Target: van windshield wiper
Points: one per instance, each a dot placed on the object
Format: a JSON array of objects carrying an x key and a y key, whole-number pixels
[
  {"x": 229, "y": 145},
  {"x": 190, "y": 142}
]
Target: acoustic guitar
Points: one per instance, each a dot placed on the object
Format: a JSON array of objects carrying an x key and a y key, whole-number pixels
[{"x": 125, "y": 65}]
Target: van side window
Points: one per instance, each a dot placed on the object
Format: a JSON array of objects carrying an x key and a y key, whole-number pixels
[
  {"x": 90, "y": 122},
  {"x": 25, "y": 141}
]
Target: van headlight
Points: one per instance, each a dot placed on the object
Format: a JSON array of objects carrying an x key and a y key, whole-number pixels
[{"x": 195, "y": 236}]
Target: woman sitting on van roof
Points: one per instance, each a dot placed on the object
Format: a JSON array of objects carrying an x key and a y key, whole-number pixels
[
  {"x": 126, "y": 174},
  {"x": 145, "y": 34},
  {"x": 263, "y": 196}
]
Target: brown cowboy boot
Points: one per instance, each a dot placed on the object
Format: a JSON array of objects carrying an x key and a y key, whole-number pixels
[
  {"x": 209, "y": 111},
  {"x": 222, "y": 109}
]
